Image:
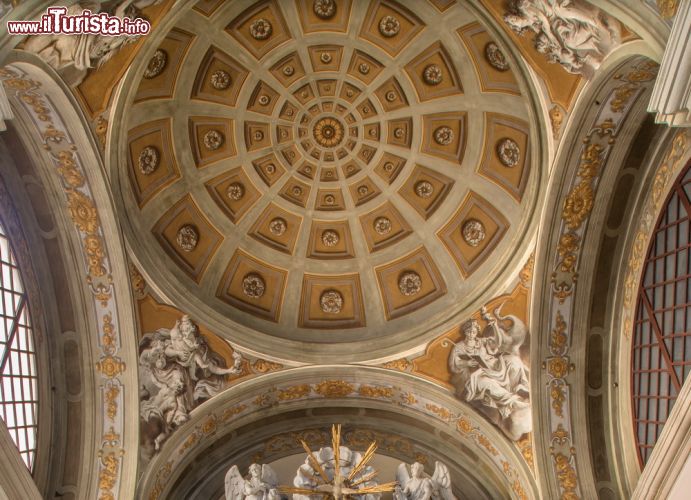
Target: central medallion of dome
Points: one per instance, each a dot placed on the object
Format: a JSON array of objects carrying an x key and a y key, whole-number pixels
[{"x": 328, "y": 132}]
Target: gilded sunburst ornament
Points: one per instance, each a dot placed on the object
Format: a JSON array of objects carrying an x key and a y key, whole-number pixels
[{"x": 343, "y": 475}]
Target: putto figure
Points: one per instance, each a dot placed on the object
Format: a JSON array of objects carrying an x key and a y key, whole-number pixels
[
  {"x": 572, "y": 33},
  {"x": 178, "y": 371},
  {"x": 261, "y": 484},
  {"x": 416, "y": 485},
  {"x": 489, "y": 372}
]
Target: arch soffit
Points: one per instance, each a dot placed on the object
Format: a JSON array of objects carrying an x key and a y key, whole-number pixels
[
  {"x": 597, "y": 136},
  {"x": 56, "y": 130},
  {"x": 661, "y": 172},
  {"x": 398, "y": 436}
]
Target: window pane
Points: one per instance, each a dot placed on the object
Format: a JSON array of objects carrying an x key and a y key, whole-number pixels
[
  {"x": 667, "y": 287},
  {"x": 17, "y": 357}
]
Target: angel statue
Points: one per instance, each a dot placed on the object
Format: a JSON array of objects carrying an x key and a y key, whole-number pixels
[
  {"x": 416, "y": 485},
  {"x": 490, "y": 373},
  {"x": 262, "y": 484}
]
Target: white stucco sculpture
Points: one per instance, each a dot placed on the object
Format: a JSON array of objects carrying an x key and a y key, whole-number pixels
[
  {"x": 73, "y": 55},
  {"x": 177, "y": 371},
  {"x": 490, "y": 373},
  {"x": 261, "y": 484},
  {"x": 414, "y": 484},
  {"x": 572, "y": 33}
]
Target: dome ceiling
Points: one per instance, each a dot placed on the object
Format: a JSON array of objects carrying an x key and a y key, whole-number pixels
[{"x": 330, "y": 171}]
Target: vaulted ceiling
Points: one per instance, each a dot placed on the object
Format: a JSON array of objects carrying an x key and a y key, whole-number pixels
[{"x": 348, "y": 175}]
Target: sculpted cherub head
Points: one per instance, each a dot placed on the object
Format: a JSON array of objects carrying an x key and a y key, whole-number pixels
[
  {"x": 417, "y": 470},
  {"x": 189, "y": 330}
]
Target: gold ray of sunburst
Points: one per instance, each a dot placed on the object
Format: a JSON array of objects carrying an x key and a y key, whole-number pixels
[{"x": 315, "y": 463}]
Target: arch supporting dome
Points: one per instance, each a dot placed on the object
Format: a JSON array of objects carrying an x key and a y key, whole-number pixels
[
  {"x": 259, "y": 420},
  {"x": 605, "y": 164}
]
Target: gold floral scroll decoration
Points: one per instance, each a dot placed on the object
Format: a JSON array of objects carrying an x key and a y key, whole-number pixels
[
  {"x": 229, "y": 413},
  {"x": 526, "y": 273},
  {"x": 398, "y": 364},
  {"x": 265, "y": 366},
  {"x": 576, "y": 210},
  {"x": 82, "y": 209},
  {"x": 376, "y": 392},
  {"x": 667, "y": 8},
  {"x": 294, "y": 392},
  {"x": 334, "y": 388},
  {"x": 112, "y": 393},
  {"x": 646, "y": 72},
  {"x": 566, "y": 475}
]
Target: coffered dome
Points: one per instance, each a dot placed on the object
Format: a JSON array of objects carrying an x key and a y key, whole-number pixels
[{"x": 330, "y": 172}]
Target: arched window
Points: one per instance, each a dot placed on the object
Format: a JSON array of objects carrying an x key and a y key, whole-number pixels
[
  {"x": 18, "y": 378},
  {"x": 661, "y": 356}
]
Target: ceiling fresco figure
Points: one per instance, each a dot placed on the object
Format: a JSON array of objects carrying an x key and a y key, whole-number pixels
[
  {"x": 488, "y": 371},
  {"x": 416, "y": 485}
]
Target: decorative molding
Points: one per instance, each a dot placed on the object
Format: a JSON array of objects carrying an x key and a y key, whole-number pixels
[
  {"x": 5, "y": 110},
  {"x": 668, "y": 8}
]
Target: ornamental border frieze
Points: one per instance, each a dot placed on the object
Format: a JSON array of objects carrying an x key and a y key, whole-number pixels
[
  {"x": 79, "y": 201},
  {"x": 463, "y": 423},
  {"x": 632, "y": 79}
]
